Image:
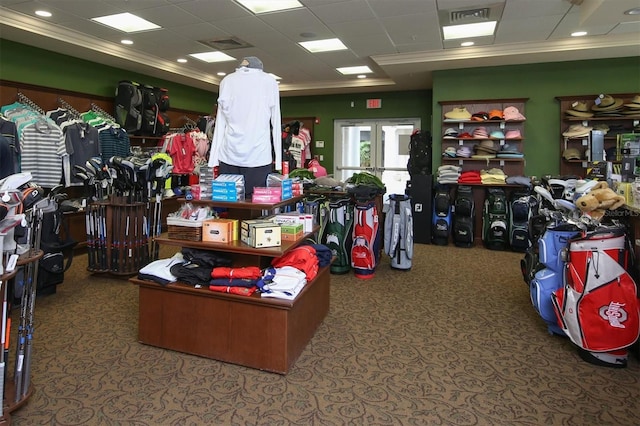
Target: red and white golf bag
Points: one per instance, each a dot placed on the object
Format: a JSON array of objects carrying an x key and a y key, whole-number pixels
[{"x": 597, "y": 307}]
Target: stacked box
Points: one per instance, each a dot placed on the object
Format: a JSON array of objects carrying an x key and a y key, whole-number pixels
[
  {"x": 291, "y": 232},
  {"x": 260, "y": 233},
  {"x": 306, "y": 219},
  {"x": 220, "y": 230},
  {"x": 287, "y": 191},
  {"x": 266, "y": 194},
  {"x": 228, "y": 188}
]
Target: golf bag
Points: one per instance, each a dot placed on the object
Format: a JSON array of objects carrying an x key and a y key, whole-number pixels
[
  {"x": 58, "y": 253},
  {"x": 419, "y": 153},
  {"x": 367, "y": 240},
  {"x": 441, "y": 216},
  {"x": 318, "y": 206},
  {"x": 597, "y": 307},
  {"x": 127, "y": 103},
  {"x": 337, "y": 235},
  {"x": 495, "y": 219},
  {"x": 464, "y": 216},
  {"x": 520, "y": 212},
  {"x": 398, "y": 231},
  {"x": 548, "y": 279}
]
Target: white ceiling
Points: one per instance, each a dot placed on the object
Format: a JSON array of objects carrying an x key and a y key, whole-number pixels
[{"x": 399, "y": 39}]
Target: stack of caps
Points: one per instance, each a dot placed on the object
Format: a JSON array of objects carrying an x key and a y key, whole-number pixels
[
  {"x": 496, "y": 114},
  {"x": 512, "y": 113},
  {"x": 513, "y": 134},
  {"x": 607, "y": 106},
  {"x": 578, "y": 109},
  {"x": 464, "y": 151},
  {"x": 633, "y": 107},
  {"x": 450, "y": 133},
  {"x": 571, "y": 154},
  {"x": 480, "y": 133},
  {"x": 485, "y": 149},
  {"x": 457, "y": 114},
  {"x": 497, "y": 134},
  {"x": 480, "y": 116},
  {"x": 577, "y": 131},
  {"x": 509, "y": 151},
  {"x": 450, "y": 152}
]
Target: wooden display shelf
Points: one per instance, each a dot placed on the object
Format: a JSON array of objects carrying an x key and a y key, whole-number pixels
[{"x": 263, "y": 333}]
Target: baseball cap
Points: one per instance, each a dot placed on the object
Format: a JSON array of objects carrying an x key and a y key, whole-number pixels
[{"x": 571, "y": 154}]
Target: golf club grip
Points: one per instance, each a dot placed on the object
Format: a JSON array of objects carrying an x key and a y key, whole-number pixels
[{"x": 8, "y": 332}]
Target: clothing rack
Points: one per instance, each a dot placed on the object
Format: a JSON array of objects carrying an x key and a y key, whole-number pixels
[
  {"x": 71, "y": 110},
  {"x": 23, "y": 99},
  {"x": 102, "y": 112}
]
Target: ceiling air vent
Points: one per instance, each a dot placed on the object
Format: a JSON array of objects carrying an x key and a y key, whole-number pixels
[
  {"x": 463, "y": 16},
  {"x": 471, "y": 15},
  {"x": 226, "y": 43}
]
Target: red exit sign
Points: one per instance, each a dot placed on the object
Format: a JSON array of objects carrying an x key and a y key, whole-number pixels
[{"x": 374, "y": 103}]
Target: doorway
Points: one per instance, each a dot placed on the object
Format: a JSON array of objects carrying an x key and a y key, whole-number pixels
[{"x": 380, "y": 147}]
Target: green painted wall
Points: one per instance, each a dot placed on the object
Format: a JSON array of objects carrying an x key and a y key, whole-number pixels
[
  {"x": 31, "y": 65},
  {"x": 327, "y": 108},
  {"x": 541, "y": 83}
]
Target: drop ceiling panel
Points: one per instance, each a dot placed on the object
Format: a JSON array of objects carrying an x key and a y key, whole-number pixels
[
  {"x": 96, "y": 30},
  {"x": 132, "y": 6},
  {"x": 348, "y": 11},
  {"x": 408, "y": 29},
  {"x": 385, "y": 8},
  {"x": 627, "y": 28},
  {"x": 244, "y": 26},
  {"x": 518, "y": 9},
  {"x": 527, "y": 29},
  {"x": 214, "y": 11},
  {"x": 168, "y": 16},
  {"x": 202, "y": 31},
  {"x": 85, "y": 9},
  {"x": 378, "y": 44}
]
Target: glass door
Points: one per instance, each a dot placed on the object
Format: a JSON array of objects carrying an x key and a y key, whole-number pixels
[{"x": 380, "y": 147}]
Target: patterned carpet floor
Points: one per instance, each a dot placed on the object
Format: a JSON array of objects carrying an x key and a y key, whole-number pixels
[{"x": 453, "y": 341}]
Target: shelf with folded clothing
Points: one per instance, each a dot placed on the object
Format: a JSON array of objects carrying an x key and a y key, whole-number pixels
[
  {"x": 179, "y": 317},
  {"x": 594, "y": 121}
]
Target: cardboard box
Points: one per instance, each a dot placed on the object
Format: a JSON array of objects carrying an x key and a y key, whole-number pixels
[
  {"x": 247, "y": 225},
  {"x": 291, "y": 232},
  {"x": 262, "y": 235},
  {"x": 218, "y": 230}
]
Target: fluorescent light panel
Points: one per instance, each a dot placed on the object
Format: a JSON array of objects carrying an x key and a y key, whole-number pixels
[
  {"x": 479, "y": 29},
  {"x": 126, "y": 22},
  {"x": 327, "y": 45},
  {"x": 212, "y": 57},
  {"x": 266, "y": 6},
  {"x": 354, "y": 70}
]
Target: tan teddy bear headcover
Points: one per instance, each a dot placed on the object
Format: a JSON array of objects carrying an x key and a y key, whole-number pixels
[{"x": 598, "y": 200}]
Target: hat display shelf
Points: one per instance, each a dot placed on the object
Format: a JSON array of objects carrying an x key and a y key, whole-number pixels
[
  {"x": 585, "y": 118},
  {"x": 484, "y": 134}
]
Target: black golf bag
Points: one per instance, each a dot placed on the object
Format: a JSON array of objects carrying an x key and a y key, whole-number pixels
[
  {"x": 441, "y": 216},
  {"x": 495, "y": 219},
  {"x": 464, "y": 216},
  {"x": 521, "y": 210},
  {"x": 58, "y": 252}
]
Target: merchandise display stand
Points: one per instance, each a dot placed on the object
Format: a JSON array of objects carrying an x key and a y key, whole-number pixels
[
  {"x": 12, "y": 398},
  {"x": 263, "y": 333},
  {"x": 118, "y": 237}
]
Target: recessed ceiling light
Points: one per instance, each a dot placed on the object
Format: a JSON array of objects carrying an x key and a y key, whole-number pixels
[
  {"x": 221, "y": 74},
  {"x": 326, "y": 45},
  {"x": 354, "y": 70},
  {"x": 43, "y": 13},
  {"x": 479, "y": 29},
  {"x": 634, "y": 11},
  {"x": 579, "y": 34},
  {"x": 212, "y": 57},
  {"x": 182, "y": 60},
  {"x": 265, "y": 6},
  {"x": 125, "y": 41},
  {"x": 126, "y": 22},
  {"x": 467, "y": 43},
  {"x": 362, "y": 76}
]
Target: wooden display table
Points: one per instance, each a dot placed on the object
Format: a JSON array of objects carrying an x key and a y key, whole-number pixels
[{"x": 263, "y": 333}]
